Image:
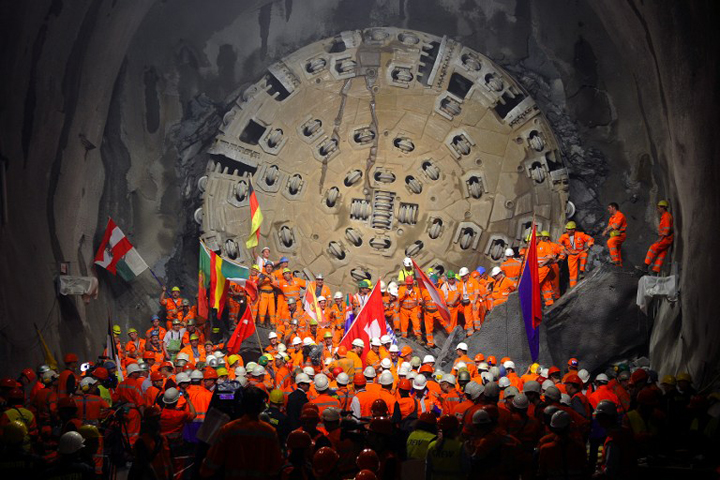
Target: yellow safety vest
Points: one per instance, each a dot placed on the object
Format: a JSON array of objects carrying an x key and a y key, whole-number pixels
[
  {"x": 417, "y": 444},
  {"x": 444, "y": 464}
]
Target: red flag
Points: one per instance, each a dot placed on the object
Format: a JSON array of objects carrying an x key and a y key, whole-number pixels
[
  {"x": 113, "y": 248},
  {"x": 437, "y": 297},
  {"x": 245, "y": 328},
  {"x": 370, "y": 322}
]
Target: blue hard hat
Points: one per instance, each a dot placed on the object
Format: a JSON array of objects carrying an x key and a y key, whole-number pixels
[
  {"x": 109, "y": 365},
  {"x": 154, "y": 317},
  {"x": 284, "y": 259},
  {"x": 480, "y": 270}
]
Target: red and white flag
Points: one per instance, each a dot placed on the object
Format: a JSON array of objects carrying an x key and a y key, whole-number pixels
[
  {"x": 437, "y": 297},
  {"x": 245, "y": 328},
  {"x": 312, "y": 307},
  {"x": 117, "y": 255},
  {"x": 370, "y": 322}
]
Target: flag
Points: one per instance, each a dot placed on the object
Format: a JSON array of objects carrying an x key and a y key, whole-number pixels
[
  {"x": 216, "y": 273},
  {"x": 244, "y": 328},
  {"x": 529, "y": 291},
  {"x": 437, "y": 297},
  {"x": 256, "y": 218},
  {"x": 312, "y": 308},
  {"x": 112, "y": 352},
  {"x": 390, "y": 332},
  {"x": 369, "y": 323},
  {"x": 49, "y": 357},
  {"x": 117, "y": 255}
]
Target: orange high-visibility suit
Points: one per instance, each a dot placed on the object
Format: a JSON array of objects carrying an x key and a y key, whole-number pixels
[
  {"x": 452, "y": 300},
  {"x": 658, "y": 250},
  {"x": 468, "y": 304},
  {"x": 618, "y": 224},
  {"x": 576, "y": 249},
  {"x": 501, "y": 289},
  {"x": 235, "y": 294},
  {"x": 267, "y": 300},
  {"x": 544, "y": 253},
  {"x": 324, "y": 291},
  {"x": 409, "y": 299},
  {"x": 392, "y": 314},
  {"x": 511, "y": 267},
  {"x": 290, "y": 289},
  {"x": 431, "y": 313}
]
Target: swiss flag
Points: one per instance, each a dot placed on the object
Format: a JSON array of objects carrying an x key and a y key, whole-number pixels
[
  {"x": 370, "y": 322},
  {"x": 437, "y": 297}
]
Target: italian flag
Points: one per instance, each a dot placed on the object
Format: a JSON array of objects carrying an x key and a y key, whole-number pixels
[
  {"x": 215, "y": 276},
  {"x": 256, "y": 218},
  {"x": 117, "y": 255}
]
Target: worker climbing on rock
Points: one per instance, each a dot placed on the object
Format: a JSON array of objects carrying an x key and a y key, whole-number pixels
[
  {"x": 616, "y": 230},
  {"x": 576, "y": 245},
  {"x": 658, "y": 250}
]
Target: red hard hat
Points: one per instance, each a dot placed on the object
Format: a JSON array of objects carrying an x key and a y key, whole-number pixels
[
  {"x": 189, "y": 367},
  {"x": 156, "y": 376},
  {"x": 448, "y": 422},
  {"x": 210, "y": 374},
  {"x": 359, "y": 379},
  {"x": 152, "y": 412},
  {"x": 573, "y": 362},
  {"x": 148, "y": 355},
  {"x": 310, "y": 406},
  {"x": 101, "y": 373},
  {"x": 8, "y": 382},
  {"x": 336, "y": 371},
  {"x": 299, "y": 439},
  {"x": 479, "y": 358},
  {"x": 324, "y": 461},
  {"x": 29, "y": 374},
  {"x": 368, "y": 460},
  {"x": 639, "y": 376},
  {"x": 409, "y": 280},
  {"x": 379, "y": 408},
  {"x": 491, "y": 360},
  {"x": 573, "y": 378},
  {"x": 66, "y": 402},
  {"x": 70, "y": 357},
  {"x": 426, "y": 368},
  {"x": 16, "y": 394},
  {"x": 553, "y": 370},
  {"x": 167, "y": 365},
  {"x": 381, "y": 425},
  {"x": 405, "y": 384},
  {"x": 309, "y": 414},
  {"x": 365, "y": 475},
  {"x": 428, "y": 417}
]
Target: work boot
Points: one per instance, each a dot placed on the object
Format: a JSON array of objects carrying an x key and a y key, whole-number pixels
[{"x": 642, "y": 268}]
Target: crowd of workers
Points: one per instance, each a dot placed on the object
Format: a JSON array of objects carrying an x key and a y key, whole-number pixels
[{"x": 178, "y": 406}]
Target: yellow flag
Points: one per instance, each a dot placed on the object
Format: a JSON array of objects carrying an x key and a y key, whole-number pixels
[{"x": 49, "y": 358}]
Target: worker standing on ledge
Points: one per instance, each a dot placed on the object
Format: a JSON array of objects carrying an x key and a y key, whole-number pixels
[
  {"x": 576, "y": 246},
  {"x": 616, "y": 229},
  {"x": 657, "y": 251}
]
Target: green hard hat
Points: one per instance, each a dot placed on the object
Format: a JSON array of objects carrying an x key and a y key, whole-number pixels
[{"x": 262, "y": 361}]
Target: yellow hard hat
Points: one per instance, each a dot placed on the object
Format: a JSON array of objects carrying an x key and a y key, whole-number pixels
[
  {"x": 287, "y": 270},
  {"x": 221, "y": 371},
  {"x": 684, "y": 376},
  {"x": 232, "y": 359},
  {"x": 116, "y": 329},
  {"x": 544, "y": 233},
  {"x": 277, "y": 397},
  {"x": 256, "y": 267},
  {"x": 313, "y": 322},
  {"x": 89, "y": 431},
  {"x": 14, "y": 432},
  {"x": 132, "y": 330},
  {"x": 327, "y": 335},
  {"x": 614, "y": 233},
  {"x": 663, "y": 203},
  {"x": 534, "y": 367},
  {"x": 570, "y": 226},
  {"x": 669, "y": 379},
  {"x": 175, "y": 289},
  {"x": 194, "y": 337}
]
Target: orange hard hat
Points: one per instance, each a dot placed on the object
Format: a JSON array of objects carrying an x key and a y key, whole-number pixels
[
  {"x": 152, "y": 412},
  {"x": 310, "y": 406},
  {"x": 365, "y": 475},
  {"x": 406, "y": 350},
  {"x": 70, "y": 357},
  {"x": 426, "y": 368},
  {"x": 156, "y": 376},
  {"x": 210, "y": 374},
  {"x": 573, "y": 378},
  {"x": 167, "y": 365},
  {"x": 479, "y": 358},
  {"x": 448, "y": 422},
  {"x": 428, "y": 417},
  {"x": 491, "y": 360},
  {"x": 16, "y": 394},
  {"x": 309, "y": 414},
  {"x": 101, "y": 373},
  {"x": 573, "y": 362},
  {"x": 405, "y": 384},
  {"x": 379, "y": 408},
  {"x": 189, "y": 367},
  {"x": 147, "y": 355},
  {"x": 342, "y": 351},
  {"x": 66, "y": 402},
  {"x": 368, "y": 460},
  {"x": 324, "y": 461},
  {"x": 299, "y": 439},
  {"x": 553, "y": 370},
  {"x": 29, "y": 374},
  {"x": 336, "y": 371},
  {"x": 381, "y": 425},
  {"x": 359, "y": 379},
  {"x": 505, "y": 359}
]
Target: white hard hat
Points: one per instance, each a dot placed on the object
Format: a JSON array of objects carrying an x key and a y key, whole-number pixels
[
  {"x": 481, "y": 417},
  {"x": 449, "y": 378},
  {"x": 343, "y": 378},
  {"x": 240, "y": 372},
  {"x": 510, "y": 392},
  {"x": 307, "y": 341},
  {"x": 419, "y": 382},
  {"x": 338, "y": 295},
  {"x": 302, "y": 378},
  {"x": 460, "y": 365},
  {"x": 70, "y": 442},
  {"x": 509, "y": 252},
  {"x": 385, "y": 339},
  {"x": 393, "y": 290},
  {"x": 182, "y": 377},
  {"x": 386, "y": 363},
  {"x": 375, "y": 342},
  {"x": 242, "y": 381},
  {"x": 521, "y": 401},
  {"x": 319, "y": 276},
  {"x": 183, "y": 356},
  {"x": 428, "y": 359},
  {"x": 309, "y": 371},
  {"x": 560, "y": 419},
  {"x": 212, "y": 361},
  {"x": 369, "y": 372},
  {"x": 547, "y": 384},
  {"x": 218, "y": 354},
  {"x": 565, "y": 399},
  {"x": 133, "y": 368},
  {"x": 272, "y": 335},
  {"x": 531, "y": 386},
  {"x": 327, "y": 362},
  {"x": 462, "y": 346},
  {"x": 394, "y": 349},
  {"x": 509, "y": 364},
  {"x": 258, "y": 371},
  {"x": 383, "y": 287},
  {"x": 331, "y": 414},
  {"x": 321, "y": 299},
  {"x": 463, "y": 271},
  {"x": 49, "y": 374},
  {"x": 504, "y": 382},
  {"x": 321, "y": 382},
  {"x": 281, "y": 348},
  {"x": 393, "y": 284},
  {"x": 483, "y": 367},
  {"x": 487, "y": 377},
  {"x": 404, "y": 369},
  {"x": 171, "y": 395},
  {"x": 584, "y": 375},
  {"x": 198, "y": 375},
  {"x": 553, "y": 393},
  {"x": 87, "y": 381},
  {"x": 411, "y": 374},
  {"x": 386, "y": 378},
  {"x": 249, "y": 367},
  {"x": 495, "y": 371},
  {"x": 407, "y": 262},
  {"x": 492, "y": 390},
  {"x": 358, "y": 342},
  {"x": 602, "y": 378},
  {"x": 296, "y": 341},
  {"x": 474, "y": 390},
  {"x": 495, "y": 271}
]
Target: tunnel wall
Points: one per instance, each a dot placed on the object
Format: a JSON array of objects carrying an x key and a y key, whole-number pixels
[{"x": 107, "y": 107}]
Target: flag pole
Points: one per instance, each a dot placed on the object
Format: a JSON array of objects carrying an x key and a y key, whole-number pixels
[{"x": 156, "y": 277}]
